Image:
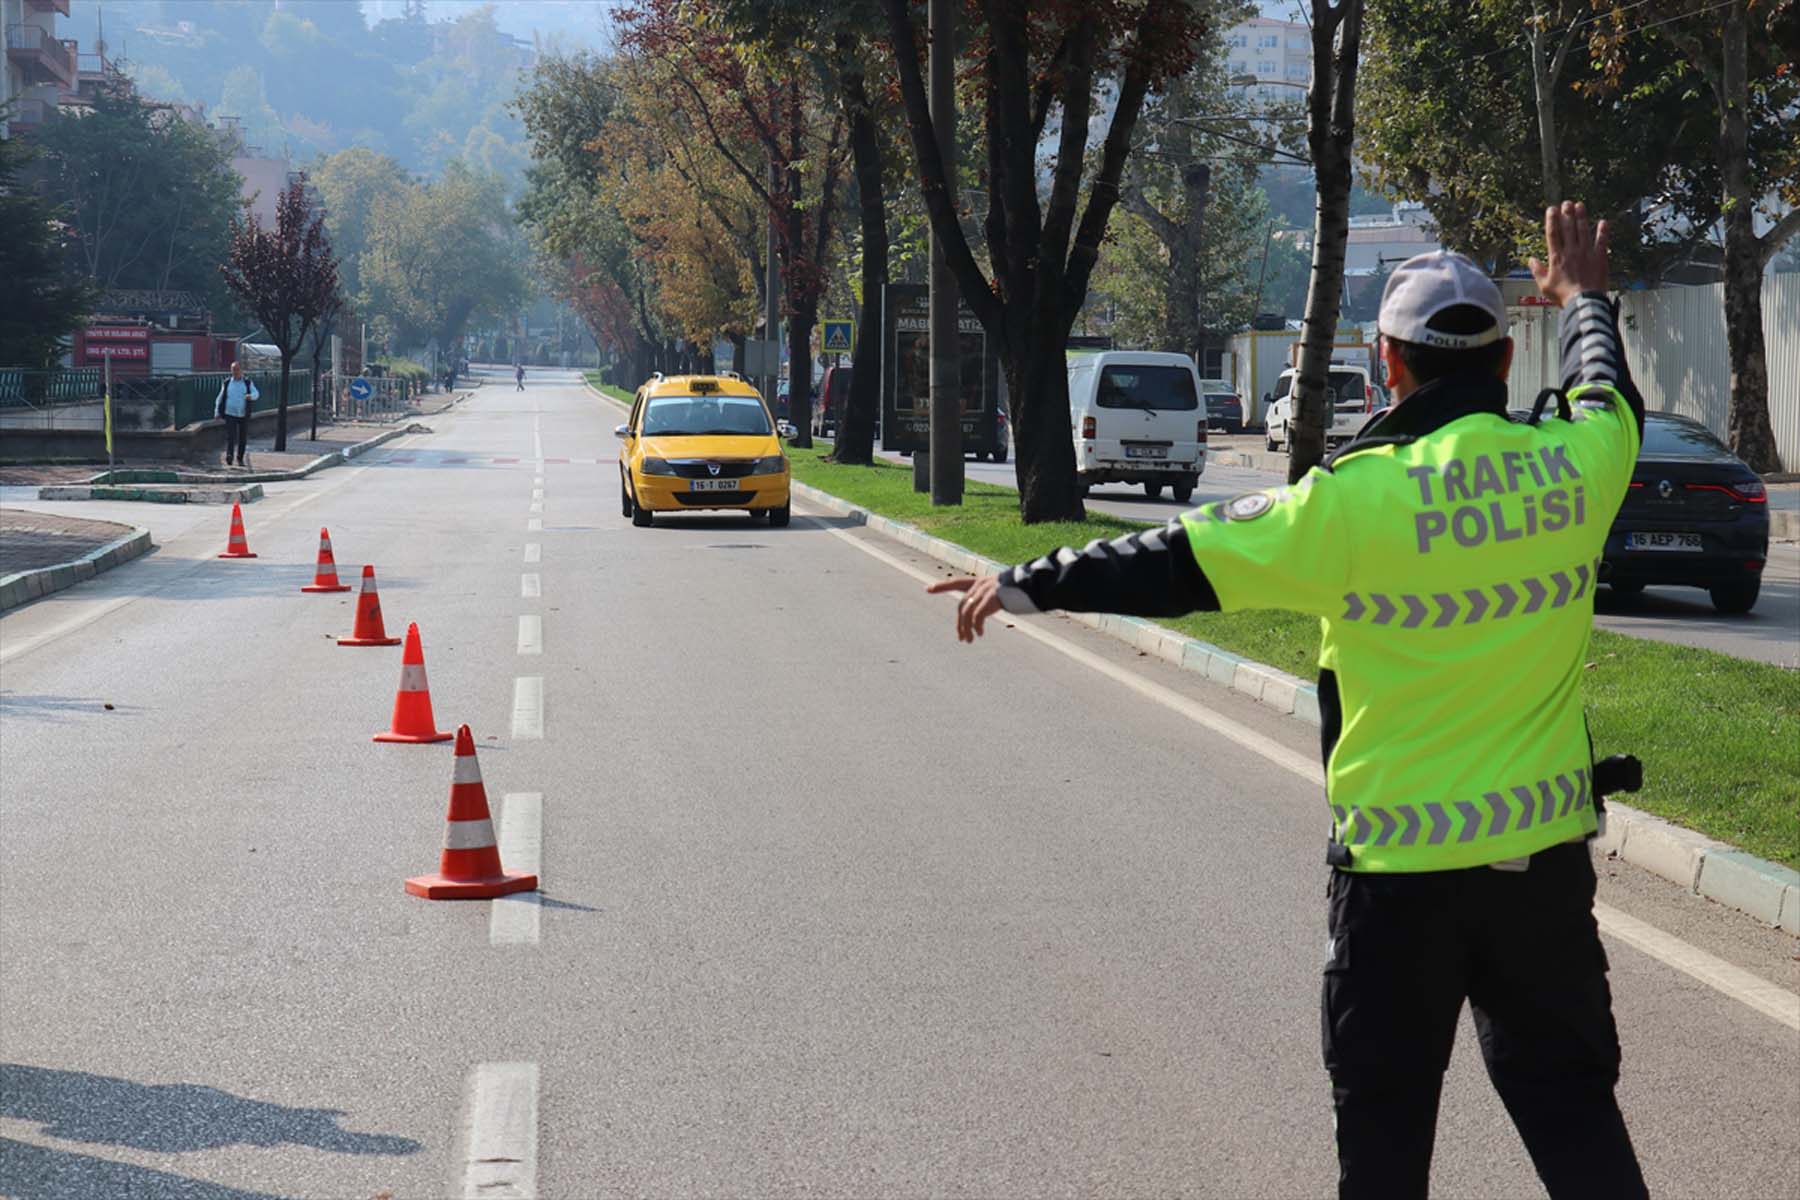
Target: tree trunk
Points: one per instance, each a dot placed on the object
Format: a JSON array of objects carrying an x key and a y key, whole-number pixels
[
  {"x": 856, "y": 424},
  {"x": 737, "y": 353},
  {"x": 1037, "y": 384},
  {"x": 287, "y": 361},
  {"x": 1330, "y": 134},
  {"x": 1183, "y": 329},
  {"x": 313, "y": 389},
  {"x": 1752, "y": 436}
]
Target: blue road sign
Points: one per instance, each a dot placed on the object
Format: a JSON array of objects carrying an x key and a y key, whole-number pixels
[
  {"x": 361, "y": 389},
  {"x": 839, "y": 335}
]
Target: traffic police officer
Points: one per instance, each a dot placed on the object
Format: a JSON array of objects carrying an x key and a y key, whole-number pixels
[{"x": 1451, "y": 554}]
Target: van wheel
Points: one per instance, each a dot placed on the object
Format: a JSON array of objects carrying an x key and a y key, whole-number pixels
[
  {"x": 1000, "y": 455},
  {"x": 1269, "y": 437},
  {"x": 1183, "y": 492},
  {"x": 1153, "y": 490}
]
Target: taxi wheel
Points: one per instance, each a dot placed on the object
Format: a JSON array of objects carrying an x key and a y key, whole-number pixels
[
  {"x": 641, "y": 516},
  {"x": 624, "y": 500},
  {"x": 779, "y": 517}
]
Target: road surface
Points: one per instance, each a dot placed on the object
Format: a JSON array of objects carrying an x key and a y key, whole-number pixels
[{"x": 832, "y": 904}]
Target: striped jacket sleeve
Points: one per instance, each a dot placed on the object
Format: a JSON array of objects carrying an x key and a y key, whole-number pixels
[{"x": 1150, "y": 573}]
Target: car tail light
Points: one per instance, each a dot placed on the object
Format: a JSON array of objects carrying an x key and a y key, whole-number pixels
[
  {"x": 1637, "y": 483},
  {"x": 1087, "y": 428},
  {"x": 1200, "y": 435},
  {"x": 1745, "y": 493},
  {"x": 1753, "y": 564}
]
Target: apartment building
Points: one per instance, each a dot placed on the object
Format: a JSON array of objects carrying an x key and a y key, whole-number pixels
[
  {"x": 40, "y": 66},
  {"x": 1270, "y": 59}
]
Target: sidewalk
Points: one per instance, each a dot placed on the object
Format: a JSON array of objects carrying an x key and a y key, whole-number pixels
[{"x": 29, "y": 540}]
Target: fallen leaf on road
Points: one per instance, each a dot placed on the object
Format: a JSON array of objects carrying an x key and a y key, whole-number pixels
[{"x": 108, "y": 707}]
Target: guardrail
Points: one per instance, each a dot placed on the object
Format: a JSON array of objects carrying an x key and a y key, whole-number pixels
[{"x": 71, "y": 399}]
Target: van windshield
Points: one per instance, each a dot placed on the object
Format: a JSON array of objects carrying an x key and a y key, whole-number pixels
[{"x": 1161, "y": 389}]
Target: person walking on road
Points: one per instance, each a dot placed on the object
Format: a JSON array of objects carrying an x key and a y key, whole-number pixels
[
  {"x": 1451, "y": 553},
  {"x": 233, "y": 403},
  {"x": 519, "y": 375}
]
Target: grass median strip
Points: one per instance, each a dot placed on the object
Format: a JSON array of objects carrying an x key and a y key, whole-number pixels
[{"x": 1719, "y": 736}]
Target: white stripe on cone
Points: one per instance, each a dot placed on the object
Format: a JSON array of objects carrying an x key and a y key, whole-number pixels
[
  {"x": 412, "y": 678},
  {"x": 469, "y": 835},
  {"x": 468, "y": 770}
]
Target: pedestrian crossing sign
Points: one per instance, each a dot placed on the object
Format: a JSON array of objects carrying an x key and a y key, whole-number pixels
[{"x": 838, "y": 336}]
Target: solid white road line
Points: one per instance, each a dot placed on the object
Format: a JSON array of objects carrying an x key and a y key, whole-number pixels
[
  {"x": 515, "y": 920},
  {"x": 531, "y": 634},
  {"x": 1766, "y": 998},
  {"x": 531, "y": 586},
  {"x": 534, "y": 525},
  {"x": 500, "y": 1132},
  {"x": 528, "y": 707},
  {"x": 533, "y": 552}
]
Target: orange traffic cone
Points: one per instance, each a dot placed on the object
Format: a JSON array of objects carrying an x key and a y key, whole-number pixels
[
  {"x": 237, "y": 546},
  {"x": 369, "y": 630},
  {"x": 325, "y": 574},
  {"x": 413, "y": 721},
  {"x": 469, "y": 868}
]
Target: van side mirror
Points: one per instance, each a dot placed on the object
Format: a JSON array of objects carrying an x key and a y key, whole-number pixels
[{"x": 623, "y": 431}]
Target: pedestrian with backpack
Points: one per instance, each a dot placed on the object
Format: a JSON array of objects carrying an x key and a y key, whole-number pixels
[{"x": 233, "y": 404}]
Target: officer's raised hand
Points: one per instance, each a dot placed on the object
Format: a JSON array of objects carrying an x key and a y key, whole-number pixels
[{"x": 1577, "y": 253}]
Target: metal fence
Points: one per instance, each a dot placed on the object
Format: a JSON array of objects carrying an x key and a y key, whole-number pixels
[
  {"x": 72, "y": 399},
  {"x": 1675, "y": 343},
  {"x": 389, "y": 399}
]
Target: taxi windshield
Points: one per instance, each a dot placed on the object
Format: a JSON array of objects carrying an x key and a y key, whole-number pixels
[{"x": 700, "y": 416}]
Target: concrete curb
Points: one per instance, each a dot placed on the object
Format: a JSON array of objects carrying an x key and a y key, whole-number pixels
[
  {"x": 1702, "y": 866},
  {"x": 1784, "y": 526},
  {"x": 153, "y": 495},
  {"x": 25, "y": 586},
  {"x": 128, "y": 475}
]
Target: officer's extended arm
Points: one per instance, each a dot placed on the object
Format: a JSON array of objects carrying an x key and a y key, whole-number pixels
[
  {"x": 1592, "y": 352},
  {"x": 1151, "y": 573}
]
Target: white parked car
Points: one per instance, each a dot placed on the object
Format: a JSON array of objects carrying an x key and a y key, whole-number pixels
[
  {"x": 1137, "y": 418},
  {"x": 1348, "y": 390}
]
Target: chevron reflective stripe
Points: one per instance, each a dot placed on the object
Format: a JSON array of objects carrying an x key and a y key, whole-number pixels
[
  {"x": 1495, "y": 602},
  {"x": 469, "y": 835},
  {"x": 412, "y": 678},
  {"x": 1510, "y": 809}
]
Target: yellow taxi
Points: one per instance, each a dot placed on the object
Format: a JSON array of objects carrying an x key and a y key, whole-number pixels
[{"x": 701, "y": 442}]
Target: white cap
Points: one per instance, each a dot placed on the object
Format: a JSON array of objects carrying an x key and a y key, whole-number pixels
[{"x": 1424, "y": 286}]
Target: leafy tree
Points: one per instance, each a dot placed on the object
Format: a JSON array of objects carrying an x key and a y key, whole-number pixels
[
  {"x": 770, "y": 104},
  {"x": 148, "y": 197},
  {"x": 1036, "y": 58},
  {"x": 45, "y": 303},
  {"x": 350, "y": 182},
  {"x": 1330, "y": 132},
  {"x": 286, "y": 277},
  {"x": 1743, "y": 51},
  {"x": 442, "y": 255}
]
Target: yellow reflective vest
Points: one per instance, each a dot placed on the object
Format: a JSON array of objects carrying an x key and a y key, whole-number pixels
[{"x": 1453, "y": 577}]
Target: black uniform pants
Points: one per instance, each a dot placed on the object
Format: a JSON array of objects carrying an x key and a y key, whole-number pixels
[{"x": 1522, "y": 947}]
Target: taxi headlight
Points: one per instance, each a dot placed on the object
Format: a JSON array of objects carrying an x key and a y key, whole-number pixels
[
  {"x": 775, "y": 464},
  {"x": 656, "y": 466}
]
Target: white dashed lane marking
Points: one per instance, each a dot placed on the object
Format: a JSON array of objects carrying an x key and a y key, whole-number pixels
[
  {"x": 500, "y": 1132},
  {"x": 533, "y": 552},
  {"x": 531, "y": 634},
  {"x": 534, "y": 525},
  {"x": 530, "y": 585},
  {"x": 528, "y": 708},
  {"x": 515, "y": 920}
]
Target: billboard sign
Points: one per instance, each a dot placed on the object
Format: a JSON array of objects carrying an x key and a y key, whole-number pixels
[{"x": 906, "y": 373}]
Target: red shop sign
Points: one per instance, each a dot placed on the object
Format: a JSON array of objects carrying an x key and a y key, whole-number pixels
[
  {"x": 118, "y": 351},
  {"x": 128, "y": 333}
]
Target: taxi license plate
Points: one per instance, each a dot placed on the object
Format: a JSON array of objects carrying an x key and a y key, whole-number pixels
[
  {"x": 713, "y": 485},
  {"x": 1146, "y": 452},
  {"x": 1664, "y": 541}
]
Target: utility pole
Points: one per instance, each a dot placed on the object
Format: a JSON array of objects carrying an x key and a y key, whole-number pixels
[
  {"x": 772, "y": 308},
  {"x": 946, "y": 465}
]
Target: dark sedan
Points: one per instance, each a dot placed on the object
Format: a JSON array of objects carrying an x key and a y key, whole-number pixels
[
  {"x": 1224, "y": 411},
  {"x": 1694, "y": 516}
]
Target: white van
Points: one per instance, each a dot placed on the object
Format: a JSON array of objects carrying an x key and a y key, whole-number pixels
[
  {"x": 1137, "y": 418},
  {"x": 1348, "y": 390}
]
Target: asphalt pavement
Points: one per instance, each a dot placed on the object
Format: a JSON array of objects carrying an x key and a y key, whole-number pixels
[{"x": 832, "y": 904}]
